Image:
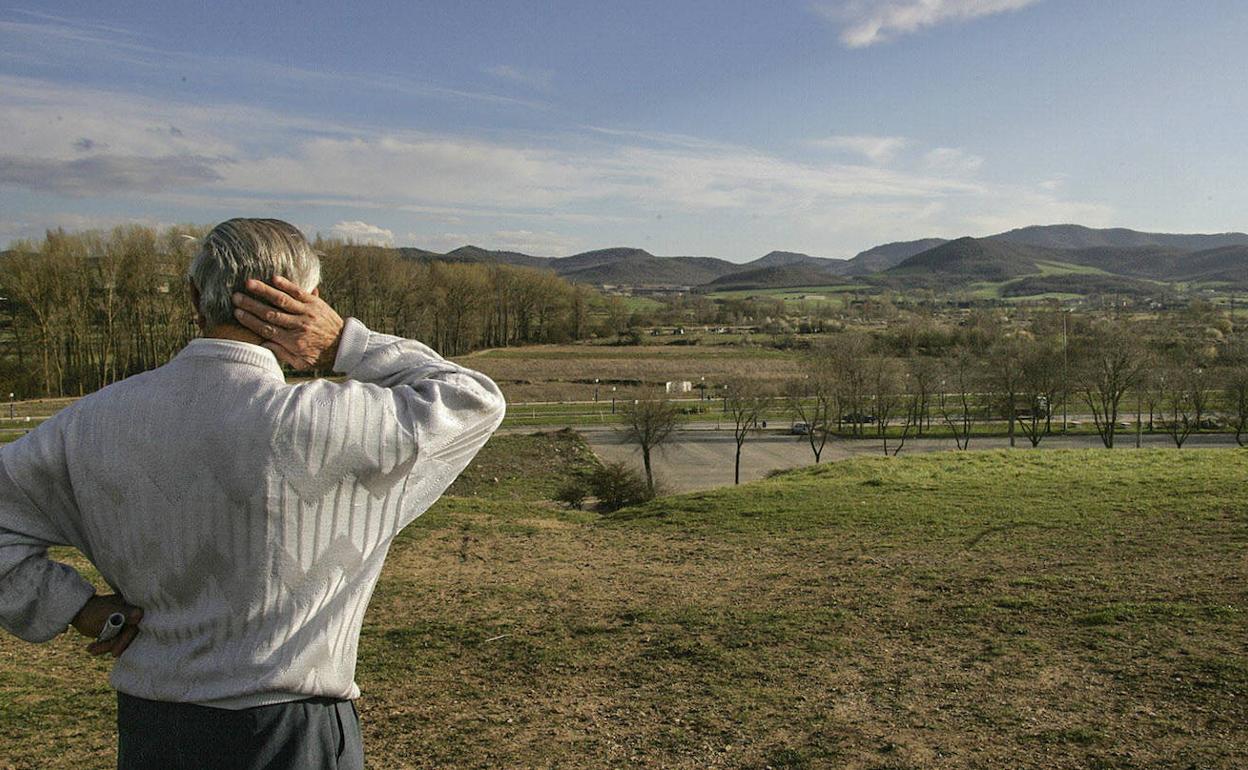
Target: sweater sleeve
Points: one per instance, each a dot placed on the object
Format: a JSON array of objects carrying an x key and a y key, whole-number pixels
[
  {"x": 407, "y": 420},
  {"x": 38, "y": 596}
]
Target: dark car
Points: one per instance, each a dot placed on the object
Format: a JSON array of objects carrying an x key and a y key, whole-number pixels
[{"x": 854, "y": 417}]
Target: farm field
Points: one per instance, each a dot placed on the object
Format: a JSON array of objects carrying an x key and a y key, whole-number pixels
[
  {"x": 567, "y": 372},
  {"x": 794, "y": 291},
  {"x": 983, "y": 609}
]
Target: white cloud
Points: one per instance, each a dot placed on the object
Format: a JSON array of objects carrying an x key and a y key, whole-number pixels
[
  {"x": 547, "y": 195},
  {"x": 362, "y": 232},
  {"x": 539, "y": 243},
  {"x": 1054, "y": 183},
  {"x": 952, "y": 161},
  {"x": 877, "y": 149},
  {"x": 1020, "y": 207},
  {"x": 34, "y": 228},
  {"x": 866, "y": 22},
  {"x": 105, "y": 174}
]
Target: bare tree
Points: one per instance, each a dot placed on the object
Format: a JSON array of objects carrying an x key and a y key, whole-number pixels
[
  {"x": 1236, "y": 384},
  {"x": 958, "y": 390},
  {"x": 1040, "y": 385},
  {"x": 649, "y": 422},
  {"x": 1151, "y": 397},
  {"x": 1004, "y": 379},
  {"x": 1199, "y": 382},
  {"x": 1238, "y": 393},
  {"x": 915, "y": 392},
  {"x": 812, "y": 399},
  {"x": 746, "y": 401},
  {"x": 885, "y": 381},
  {"x": 1178, "y": 409},
  {"x": 1111, "y": 362},
  {"x": 924, "y": 378},
  {"x": 847, "y": 357}
]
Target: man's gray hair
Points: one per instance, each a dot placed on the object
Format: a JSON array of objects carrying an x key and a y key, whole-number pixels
[{"x": 239, "y": 249}]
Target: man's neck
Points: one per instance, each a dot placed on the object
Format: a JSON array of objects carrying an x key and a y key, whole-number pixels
[{"x": 232, "y": 332}]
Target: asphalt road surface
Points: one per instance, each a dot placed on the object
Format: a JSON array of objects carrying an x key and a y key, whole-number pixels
[{"x": 703, "y": 459}]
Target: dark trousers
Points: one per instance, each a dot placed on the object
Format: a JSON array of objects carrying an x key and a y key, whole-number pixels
[{"x": 313, "y": 733}]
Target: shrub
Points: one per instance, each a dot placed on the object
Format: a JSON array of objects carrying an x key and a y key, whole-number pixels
[
  {"x": 617, "y": 485},
  {"x": 572, "y": 493}
]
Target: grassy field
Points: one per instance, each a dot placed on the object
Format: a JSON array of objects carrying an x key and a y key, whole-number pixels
[
  {"x": 1067, "y": 268},
  {"x": 991, "y": 610}
]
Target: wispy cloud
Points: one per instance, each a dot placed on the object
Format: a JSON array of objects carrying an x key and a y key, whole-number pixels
[
  {"x": 553, "y": 190},
  {"x": 105, "y": 174},
  {"x": 362, "y": 232},
  {"x": 57, "y": 40},
  {"x": 867, "y": 22},
  {"x": 533, "y": 78},
  {"x": 877, "y": 149},
  {"x": 952, "y": 161}
]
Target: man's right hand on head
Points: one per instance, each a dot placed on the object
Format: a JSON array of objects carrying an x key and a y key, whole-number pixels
[
  {"x": 299, "y": 327},
  {"x": 94, "y": 614}
]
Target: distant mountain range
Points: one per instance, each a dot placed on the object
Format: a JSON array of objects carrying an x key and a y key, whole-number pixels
[{"x": 1043, "y": 255}]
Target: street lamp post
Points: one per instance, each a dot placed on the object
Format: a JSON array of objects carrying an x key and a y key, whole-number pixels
[
  {"x": 612, "y": 399},
  {"x": 595, "y": 390},
  {"x": 12, "y": 414}
]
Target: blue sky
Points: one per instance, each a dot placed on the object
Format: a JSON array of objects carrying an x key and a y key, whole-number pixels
[{"x": 721, "y": 128}]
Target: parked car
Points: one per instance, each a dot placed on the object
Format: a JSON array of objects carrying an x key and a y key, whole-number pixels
[
  {"x": 853, "y": 417},
  {"x": 800, "y": 429}
]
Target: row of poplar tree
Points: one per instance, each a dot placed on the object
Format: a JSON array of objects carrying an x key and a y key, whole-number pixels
[{"x": 82, "y": 310}]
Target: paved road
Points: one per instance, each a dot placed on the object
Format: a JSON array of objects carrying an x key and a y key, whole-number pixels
[{"x": 703, "y": 459}]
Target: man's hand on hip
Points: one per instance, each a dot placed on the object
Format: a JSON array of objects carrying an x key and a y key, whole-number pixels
[
  {"x": 297, "y": 325},
  {"x": 94, "y": 614}
]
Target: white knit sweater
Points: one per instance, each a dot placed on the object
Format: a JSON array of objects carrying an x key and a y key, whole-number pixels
[{"x": 247, "y": 517}]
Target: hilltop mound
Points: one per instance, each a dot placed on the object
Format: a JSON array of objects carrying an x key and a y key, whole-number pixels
[
  {"x": 776, "y": 277},
  {"x": 636, "y": 267},
  {"x": 888, "y": 255},
  {"x": 1080, "y": 237},
  {"x": 971, "y": 259}
]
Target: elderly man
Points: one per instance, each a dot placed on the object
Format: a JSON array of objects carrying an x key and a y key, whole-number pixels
[{"x": 246, "y": 517}]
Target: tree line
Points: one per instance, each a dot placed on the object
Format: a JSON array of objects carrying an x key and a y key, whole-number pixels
[
  {"x": 1032, "y": 381},
  {"x": 82, "y": 310}
]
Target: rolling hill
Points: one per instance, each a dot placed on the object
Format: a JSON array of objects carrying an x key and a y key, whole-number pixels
[
  {"x": 1080, "y": 237},
  {"x": 972, "y": 259},
  {"x": 635, "y": 267},
  {"x": 786, "y": 258},
  {"x": 775, "y": 277},
  {"x": 888, "y": 255},
  {"x": 478, "y": 254},
  {"x": 1038, "y": 252}
]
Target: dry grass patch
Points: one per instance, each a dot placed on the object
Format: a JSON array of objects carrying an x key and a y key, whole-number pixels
[{"x": 1070, "y": 609}]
